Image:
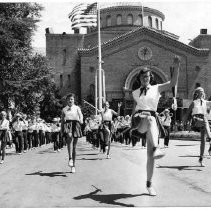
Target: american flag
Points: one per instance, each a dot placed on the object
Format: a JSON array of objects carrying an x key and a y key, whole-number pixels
[{"x": 91, "y": 9}]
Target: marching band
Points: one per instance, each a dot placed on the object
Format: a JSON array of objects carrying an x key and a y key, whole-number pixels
[{"x": 28, "y": 133}]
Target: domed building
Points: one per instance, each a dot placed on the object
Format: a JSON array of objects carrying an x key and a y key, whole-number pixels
[{"x": 132, "y": 38}]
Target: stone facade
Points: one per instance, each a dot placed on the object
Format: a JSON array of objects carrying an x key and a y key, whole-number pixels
[{"x": 75, "y": 57}]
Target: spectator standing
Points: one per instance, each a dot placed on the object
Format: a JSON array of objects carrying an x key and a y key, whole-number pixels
[{"x": 4, "y": 128}]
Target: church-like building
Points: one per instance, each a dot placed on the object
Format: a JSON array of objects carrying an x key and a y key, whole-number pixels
[{"x": 132, "y": 38}]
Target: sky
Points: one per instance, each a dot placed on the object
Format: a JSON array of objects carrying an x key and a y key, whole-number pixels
[{"x": 184, "y": 18}]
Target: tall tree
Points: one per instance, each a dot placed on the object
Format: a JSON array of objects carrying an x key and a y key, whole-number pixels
[{"x": 24, "y": 76}]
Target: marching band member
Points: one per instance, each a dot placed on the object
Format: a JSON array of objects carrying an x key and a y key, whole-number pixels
[
  {"x": 198, "y": 112},
  {"x": 107, "y": 115},
  {"x": 166, "y": 122},
  {"x": 87, "y": 130},
  {"x": 48, "y": 135},
  {"x": 145, "y": 120},
  {"x": 35, "y": 127},
  {"x": 94, "y": 124},
  {"x": 25, "y": 132},
  {"x": 4, "y": 127},
  {"x": 40, "y": 130},
  {"x": 72, "y": 117},
  {"x": 55, "y": 134},
  {"x": 18, "y": 135},
  {"x": 30, "y": 135},
  {"x": 126, "y": 135}
]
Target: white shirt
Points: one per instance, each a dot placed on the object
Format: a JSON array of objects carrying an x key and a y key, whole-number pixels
[
  {"x": 25, "y": 125},
  {"x": 30, "y": 127},
  {"x": 166, "y": 121},
  {"x": 199, "y": 108},
  {"x": 18, "y": 126},
  {"x": 48, "y": 129},
  {"x": 55, "y": 128},
  {"x": 148, "y": 101},
  {"x": 4, "y": 124},
  {"x": 41, "y": 126},
  {"x": 73, "y": 113},
  {"x": 107, "y": 116}
]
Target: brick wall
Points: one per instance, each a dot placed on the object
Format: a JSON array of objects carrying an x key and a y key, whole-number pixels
[{"x": 62, "y": 52}]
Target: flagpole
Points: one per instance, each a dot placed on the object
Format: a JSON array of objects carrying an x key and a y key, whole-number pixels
[
  {"x": 142, "y": 9},
  {"x": 99, "y": 59},
  {"x": 96, "y": 92},
  {"x": 103, "y": 79}
]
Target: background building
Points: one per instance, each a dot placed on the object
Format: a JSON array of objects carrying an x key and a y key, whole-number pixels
[{"x": 132, "y": 38}]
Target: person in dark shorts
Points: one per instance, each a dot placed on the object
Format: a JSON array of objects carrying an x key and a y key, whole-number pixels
[
  {"x": 144, "y": 116},
  {"x": 71, "y": 121}
]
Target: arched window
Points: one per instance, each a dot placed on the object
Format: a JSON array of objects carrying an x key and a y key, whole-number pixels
[
  {"x": 139, "y": 21},
  {"x": 156, "y": 23},
  {"x": 130, "y": 19},
  {"x": 150, "y": 21},
  {"x": 161, "y": 26},
  {"x": 108, "y": 20},
  {"x": 119, "y": 20}
]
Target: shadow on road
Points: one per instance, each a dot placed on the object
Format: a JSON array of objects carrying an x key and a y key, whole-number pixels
[
  {"x": 109, "y": 198},
  {"x": 189, "y": 156},
  {"x": 132, "y": 149},
  {"x": 11, "y": 153},
  {"x": 45, "y": 151},
  {"x": 51, "y": 174},
  {"x": 186, "y": 145},
  {"x": 180, "y": 168},
  {"x": 87, "y": 154},
  {"x": 89, "y": 159}
]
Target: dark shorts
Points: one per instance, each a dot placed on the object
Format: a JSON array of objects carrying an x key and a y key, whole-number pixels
[
  {"x": 73, "y": 127},
  {"x": 4, "y": 136},
  {"x": 136, "y": 121},
  {"x": 197, "y": 123}
]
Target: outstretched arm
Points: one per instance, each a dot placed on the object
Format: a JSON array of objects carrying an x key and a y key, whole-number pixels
[{"x": 174, "y": 80}]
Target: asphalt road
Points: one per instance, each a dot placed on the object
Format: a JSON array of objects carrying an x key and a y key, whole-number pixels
[{"x": 41, "y": 178}]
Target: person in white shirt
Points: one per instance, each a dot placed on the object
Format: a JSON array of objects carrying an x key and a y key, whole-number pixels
[
  {"x": 197, "y": 111},
  {"x": 166, "y": 122},
  {"x": 56, "y": 135},
  {"x": 71, "y": 121},
  {"x": 4, "y": 127},
  {"x": 48, "y": 133},
  {"x": 105, "y": 133},
  {"x": 18, "y": 134},
  {"x": 25, "y": 132},
  {"x": 41, "y": 131},
  {"x": 30, "y": 135},
  {"x": 145, "y": 120}
]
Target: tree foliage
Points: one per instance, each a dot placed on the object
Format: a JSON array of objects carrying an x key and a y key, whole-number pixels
[{"x": 25, "y": 76}]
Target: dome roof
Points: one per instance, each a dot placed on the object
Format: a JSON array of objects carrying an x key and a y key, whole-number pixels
[
  {"x": 135, "y": 5},
  {"x": 119, "y": 4}
]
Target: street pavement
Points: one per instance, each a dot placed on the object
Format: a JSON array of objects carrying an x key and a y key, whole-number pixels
[{"x": 42, "y": 178}]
